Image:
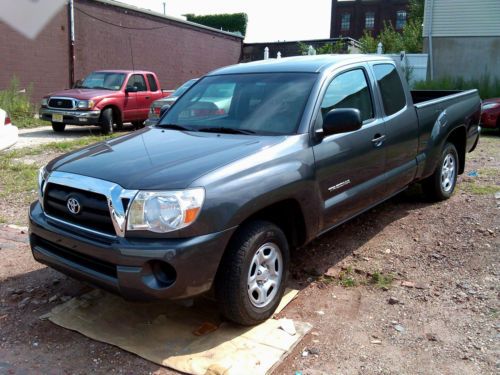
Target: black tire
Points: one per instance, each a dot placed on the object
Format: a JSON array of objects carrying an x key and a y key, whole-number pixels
[
  {"x": 107, "y": 121},
  {"x": 138, "y": 124},
  {"x": 232, "y": 289},
  {"x": 117, "y": 126},
  {"x": 435, "y": 186},
  {"x": 58, "y": 127}
]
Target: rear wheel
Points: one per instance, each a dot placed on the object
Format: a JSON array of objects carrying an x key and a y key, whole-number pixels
[
  {"x": 58, "y": 127},
  {"x": 441, "y": 184},
  {"x": 252, "y": 276},
  {"x": 107, "y": 121}
]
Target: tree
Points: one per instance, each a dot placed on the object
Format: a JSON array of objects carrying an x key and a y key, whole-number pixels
[
  {"x": 409, "y": 40},
  {"x": 235, "y": 22}
]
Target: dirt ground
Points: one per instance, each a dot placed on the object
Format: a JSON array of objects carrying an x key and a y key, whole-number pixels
[{"x": 410, "y": 287}]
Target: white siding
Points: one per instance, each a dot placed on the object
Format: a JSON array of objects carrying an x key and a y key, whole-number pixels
[{"x": 462, "y": 17}]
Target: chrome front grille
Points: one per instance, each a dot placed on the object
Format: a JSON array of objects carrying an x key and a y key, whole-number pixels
[
  {"x": 61, "y": 103},
  {"x": 102, "y": 205},
  {"x": 94, "y": 212}
]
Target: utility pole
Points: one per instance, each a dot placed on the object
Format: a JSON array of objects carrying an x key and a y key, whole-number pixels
[{"x": 164, "y": 8}]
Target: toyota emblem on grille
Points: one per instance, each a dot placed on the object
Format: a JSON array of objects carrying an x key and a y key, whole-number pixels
[
  {"x": 73, "y": 206},
  {"x": 59, "y": 102}
]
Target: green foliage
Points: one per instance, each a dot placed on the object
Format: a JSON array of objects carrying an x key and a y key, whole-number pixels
[
  {"x": 368, "y": 43},
  {"x": 380, "y": 280},
  {"x": 408, "y": 40},
  {"x": 392, "y": 41},
  {"x": 338, "y": 46},
  {"x": 416, "y": 10},
  {"x": 17, "y": 103},
  {"x": 228, "y": 22},
  {"x": 488, "y": 87}
]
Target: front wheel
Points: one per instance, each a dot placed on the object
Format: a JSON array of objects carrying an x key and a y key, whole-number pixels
[
  {"x": 441, "y": 184},
  {"x": 107, "y": 121},
  {"x": 58, "y": 127},
  {"x": 252, "y": 276}
]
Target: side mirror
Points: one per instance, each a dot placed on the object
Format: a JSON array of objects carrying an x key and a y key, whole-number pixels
[
  {"x": 78, "y": 84},
  {"x": 341, "y": 120},
  {"x": 164, "y": 109},
  {"x": 131, "y": 89}
]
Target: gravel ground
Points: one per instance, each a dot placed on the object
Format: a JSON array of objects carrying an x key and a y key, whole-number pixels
[{"x": 438, "y": 315}]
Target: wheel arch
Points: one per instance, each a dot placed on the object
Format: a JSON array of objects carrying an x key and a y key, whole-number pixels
[{"x": 458, "y": 137}]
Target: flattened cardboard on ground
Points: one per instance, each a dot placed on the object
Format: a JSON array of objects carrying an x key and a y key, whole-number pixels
[{"x": 163, "y": 333}]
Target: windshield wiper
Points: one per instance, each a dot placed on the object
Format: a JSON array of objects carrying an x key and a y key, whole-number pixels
[
  {"x": 174, "y": 127},
  {"x": 226, "y": 130}
]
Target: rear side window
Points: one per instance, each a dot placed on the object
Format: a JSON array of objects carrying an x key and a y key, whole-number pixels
[
  {"x": 349, "y": 90},
  {"x": 152, "y": 83},
  {"x": 137, "y": 80},
  {"x": 391, "y": 89}
]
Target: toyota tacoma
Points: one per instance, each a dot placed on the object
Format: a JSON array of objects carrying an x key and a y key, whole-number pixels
[{"x": 212, "y": 200}]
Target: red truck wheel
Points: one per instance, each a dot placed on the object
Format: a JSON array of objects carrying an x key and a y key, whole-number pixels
[
  {"x": 107, "y": 121},
  {"x": 58, "y": 127}
]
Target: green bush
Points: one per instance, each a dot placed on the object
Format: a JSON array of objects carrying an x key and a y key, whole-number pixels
[
  {"x": 228, "y": 22},
  {"x": 328, "y": 48},
  {"x": 15, "y": 102},
  {"x": 488, "y": 87},
  {"x": 409, "y": 40},
  {"x": 18, "y": 104}
]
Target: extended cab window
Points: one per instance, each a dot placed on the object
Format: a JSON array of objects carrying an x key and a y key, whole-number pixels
[
  {"x": 391, "y": 89},
  {"x": 137, "y": 80},
  {"x": 152, "y": 83},
  {"x": 349, "y": 90}
]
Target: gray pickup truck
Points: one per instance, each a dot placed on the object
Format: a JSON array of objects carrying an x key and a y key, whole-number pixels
[{"x": 216, "y": 194}]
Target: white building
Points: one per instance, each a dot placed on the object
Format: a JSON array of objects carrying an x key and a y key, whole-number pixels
[{"x": 462, "y": 38}]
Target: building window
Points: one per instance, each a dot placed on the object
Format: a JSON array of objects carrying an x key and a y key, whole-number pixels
[
  {"x": 345, "y": 22},
  {"x": 369, "y": 20},
  {"x": 400, "y": 19}
]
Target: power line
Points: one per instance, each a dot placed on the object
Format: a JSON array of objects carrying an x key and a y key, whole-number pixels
[{"x": 120, "y": 26}]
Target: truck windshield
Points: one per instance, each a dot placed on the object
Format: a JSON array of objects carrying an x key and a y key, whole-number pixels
[
  {"x": 263, "y": 103},
  {"x": 103, "y": 80}
]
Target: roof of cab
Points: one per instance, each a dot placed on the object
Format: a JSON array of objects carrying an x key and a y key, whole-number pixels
[{"x": 303, "y": 64}]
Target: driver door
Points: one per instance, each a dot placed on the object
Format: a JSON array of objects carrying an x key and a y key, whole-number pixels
[
  {"x": 130, "y": 103},
  {"x": 350, "y": 166}
]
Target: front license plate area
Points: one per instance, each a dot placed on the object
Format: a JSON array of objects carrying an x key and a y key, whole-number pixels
[{"x": 57, "y": 117}]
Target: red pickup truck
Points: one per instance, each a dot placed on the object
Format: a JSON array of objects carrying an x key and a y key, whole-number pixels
[{"x": 106, "y": 98}]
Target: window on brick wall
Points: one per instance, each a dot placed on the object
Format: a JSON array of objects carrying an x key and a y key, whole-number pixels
[
  {"x": 400, "y": 19},
  {"x": 369, "y": 20},
  {"x": 345, "y": 22}
]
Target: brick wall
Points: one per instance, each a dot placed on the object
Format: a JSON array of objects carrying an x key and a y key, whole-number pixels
[
  {"x": 42, "y": 62},
  {"x": 176, "y": 51}
]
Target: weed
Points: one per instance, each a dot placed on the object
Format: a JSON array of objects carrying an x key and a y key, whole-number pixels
[
  {"x": 346, "y": 278},
  {"x": 488, "y": 87},
  {"x": 380, "y": 280},
  {"x": 17, "y": 103},
  {"x": 476, "y": 189}
]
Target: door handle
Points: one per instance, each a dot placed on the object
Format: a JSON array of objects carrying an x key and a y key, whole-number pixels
[
  {"x": 378, "y": 140},
  {"x": 147, "y": 97}
]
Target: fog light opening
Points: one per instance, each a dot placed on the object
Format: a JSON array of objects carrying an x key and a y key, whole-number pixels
[{"x": 164, "y": 273}]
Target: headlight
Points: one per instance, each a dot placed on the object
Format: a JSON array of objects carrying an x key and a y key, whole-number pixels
[
  {"x": 490, "y": 105},
  {"x": 44, "y": 102},
  {"x": 42, "y": 178},
  {"x": 165, "y": 211},
  {"x": 85, "y": 104}
]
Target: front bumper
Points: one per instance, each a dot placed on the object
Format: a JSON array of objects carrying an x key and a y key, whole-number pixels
[
  {"x": 72, "y": 117},
  {"x": 124, "y": 265}
]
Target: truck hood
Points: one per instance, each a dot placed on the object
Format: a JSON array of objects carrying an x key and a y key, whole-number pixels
[
  {"x": 83, "y": 94},
  {"x": 160, "y": 159}
]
